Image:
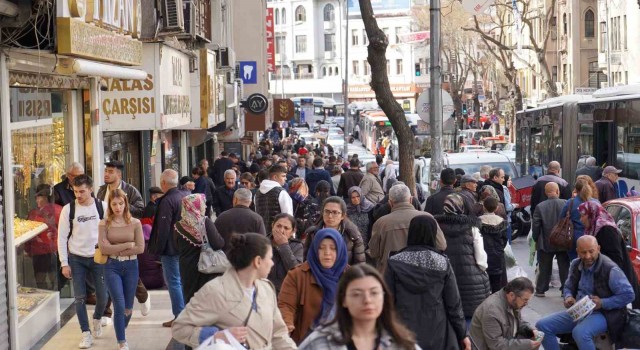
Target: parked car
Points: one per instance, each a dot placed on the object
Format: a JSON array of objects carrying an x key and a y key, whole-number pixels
[{"x": 626, "y": 214}]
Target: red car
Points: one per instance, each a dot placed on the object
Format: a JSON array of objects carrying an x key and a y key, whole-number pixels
[{"x": 626, "y": 213}]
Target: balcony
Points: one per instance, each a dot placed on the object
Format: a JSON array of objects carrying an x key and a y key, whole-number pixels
[
  {"x": 281, "y": 57},
  {"x": 304, "y": 75},
  {"x": 329, "y": 25},
  {"x": 329, "y": 55}
]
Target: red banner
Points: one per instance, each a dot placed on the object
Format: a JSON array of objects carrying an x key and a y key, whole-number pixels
[{"x": 271, "y": 57}]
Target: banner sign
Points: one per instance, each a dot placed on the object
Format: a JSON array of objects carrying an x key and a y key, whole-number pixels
[{"x": 271, "y": 57}]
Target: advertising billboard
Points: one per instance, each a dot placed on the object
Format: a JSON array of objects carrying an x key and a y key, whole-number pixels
[{"x": 381, "y": 6}]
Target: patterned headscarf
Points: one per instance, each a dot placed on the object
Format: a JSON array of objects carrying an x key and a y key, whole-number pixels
[
  {"x": 298, "y": 189},
  {"x": 491, "y": 193},
  {"x": 454, "y": 204},
  {"x": 365, "y": 205},
  {"x": 598, "y": 216},
  {"x": 191, "y": 225}
]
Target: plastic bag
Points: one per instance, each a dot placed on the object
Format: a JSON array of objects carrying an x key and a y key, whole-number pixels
[
  {"x": 532, "y": 249},
  {"x": 509, "y": 258},
  {"x": 515, "y": 272},
  {"x": 212, "y": 344}
]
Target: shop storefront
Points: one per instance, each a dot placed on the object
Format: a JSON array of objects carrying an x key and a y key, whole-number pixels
[
  {"x": 405, "y": 94},
  {"x": 50, "y": 118}
]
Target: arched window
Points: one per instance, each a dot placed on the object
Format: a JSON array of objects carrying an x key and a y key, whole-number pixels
[
  {"x": 324, "y": 71},
  {"x": 336, "y": 70},
  {"x": 589, "y": 24},
  {"x": 329, "y": 13},
  {"x": 301, "y": 14},
  {"x": 277, "y": 16},
  {"x": 284, "y": 17},
  {"x": 564, "y": 23}
]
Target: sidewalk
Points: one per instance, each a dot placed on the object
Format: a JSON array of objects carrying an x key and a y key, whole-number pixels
[{"x": 143, "y": 333}]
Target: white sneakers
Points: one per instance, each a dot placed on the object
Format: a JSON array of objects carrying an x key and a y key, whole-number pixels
[
  {"x": 123, "y": 346},
  {"x": 87, "y": 340},
  {"x": 146, "y": 306},
  {"x": 97, "y": 328},
  {"x": 105, "y": 321}
]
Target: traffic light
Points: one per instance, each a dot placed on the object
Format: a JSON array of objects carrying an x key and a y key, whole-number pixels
[
  {"x": 464, "y": 109},
  {"x": 417, "y": 67}
]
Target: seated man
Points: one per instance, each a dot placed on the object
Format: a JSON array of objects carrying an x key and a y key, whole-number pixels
[
  {"x": 594, "y": 275},
  {"x": 497, "y": 322}
]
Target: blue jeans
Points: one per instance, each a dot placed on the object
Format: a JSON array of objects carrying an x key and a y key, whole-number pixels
[
  {"x": 171, "y": 272},
  {"x": 122, "y": 280},
  {"x": 582, "y": 332},
  {"x": 81, "y": 267}
]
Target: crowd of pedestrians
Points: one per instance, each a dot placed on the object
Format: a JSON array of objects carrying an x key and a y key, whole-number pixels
[{"x": 331, "y": 257}]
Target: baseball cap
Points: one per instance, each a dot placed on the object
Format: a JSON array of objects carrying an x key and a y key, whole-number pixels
[
  {"x": 468, "y": 178},
  {"x": 611, "y": 170}
]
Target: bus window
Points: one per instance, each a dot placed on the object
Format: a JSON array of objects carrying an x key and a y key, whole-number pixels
[
  {"x": 585, "y": 140},
  {"x": 628, "y": 129}
]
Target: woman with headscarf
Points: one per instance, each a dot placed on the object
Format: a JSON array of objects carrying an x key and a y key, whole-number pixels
[
  {"x": 191, "y": 228},
  {"x": 486, "y": 192},
  {"x": 583, "y": 194},
  {"x": 465, "y": 250},
  {"x": 302, "y": 205},
  {"x": 599, "y": 223},
  {"x": 388, "y": 174},
  {"x": 359, "y": 211},
  {"x": 308, "y": 293},
  {"x": 425, "y": 291}
]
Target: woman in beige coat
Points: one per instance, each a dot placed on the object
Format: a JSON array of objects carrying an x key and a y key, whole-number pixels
[{"x": 241, "y": 301}]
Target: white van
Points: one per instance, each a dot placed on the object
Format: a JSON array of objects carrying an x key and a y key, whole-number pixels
[{"x": 473, "y": 136}]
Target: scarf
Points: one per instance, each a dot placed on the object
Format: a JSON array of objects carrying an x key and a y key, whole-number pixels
[
  {"x": 598, "y": 217},
  {"x": 327, "y": 278},
  {"x": 365, "y": 205},
  {"x": 191, "y": 225},
  {"x": 454, "y": 204},
  {"x": 489, "y": 191}
]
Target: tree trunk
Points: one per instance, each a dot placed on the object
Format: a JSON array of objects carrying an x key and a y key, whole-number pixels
[{"x": 380, "y": 85}]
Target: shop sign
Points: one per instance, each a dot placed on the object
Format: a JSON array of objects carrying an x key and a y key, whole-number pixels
[
  {"x": 283, "y": 109},
  {"x": 161, "y": 101},
  {"x": 399, "y": 90},
  {"x": 271, "y": 57},
  {"x": 208, "y": 89},
  {"x": 256, "y": 103},
  {"x": 30, "y": 104},
  {"x": 105, "y": 30}
]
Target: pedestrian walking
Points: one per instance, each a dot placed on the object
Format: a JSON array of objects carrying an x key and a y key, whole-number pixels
[
  {"x": 271, "y": 198},
  {"x": 334, "y": 216},
  {"x": 317, "y": 174},
  {"x": 371, "y": 185},
  {"x": 120, "y": 237},
  {"x": 497, "y": 323},
  {"x": 162, "y": 240},
  {"x": 287, "y": 249},
  {"x": 308, "y": 294},
  {"x": 220, "y": 165},
  {"x": 240, "y": 302},
  {"x": 607, "y": 185},
  {"x": 547, "y": 216},
  {"x": 303, "y": 211},
  {"x": 77, "y": 239},
  {"x": 424, "y": 289},
  {"x": 149, "y": 267},
  {"x": 223, "y": 196},
  {"x": 478, "y": 208},
  {"x": 435, "y": 202},
  {"x": 583, "y": 194},
  {"x": 191, "y": 228},
  {"x": 494, "y": 238},
  {"x": 352, "y": 177},
  {"x": 239, "y": 219},
  {"x": 468, "y": 192},
  {"x": 465, "y": 250},
  {"x": 553, "y": 175},
  {"x": 366, "y": 318},
  {"x": 360, "y": 211},
  {"x": 590, "y": 169},
  {"x": 63, "y": 191}
]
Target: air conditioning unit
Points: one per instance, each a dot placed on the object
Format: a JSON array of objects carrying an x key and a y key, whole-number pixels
[
  {"x": 225, "y": 58},
  {"x": 172, "y": 16}
]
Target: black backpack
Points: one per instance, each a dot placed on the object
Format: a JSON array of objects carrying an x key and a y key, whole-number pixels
[{"x": 72, "y": 213}]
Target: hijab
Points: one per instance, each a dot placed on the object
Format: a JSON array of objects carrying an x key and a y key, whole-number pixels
[
  {"x": 489, "y": 191},
  {"x": 598, "y": 216},
  {"x": 325, "y": 188},
  {"x": 453, "y": 204},
  {"x": 297, "y": 190},
  {"x": 389, "y": 173},
  {"x": 193, "y": 216},
  {"x": 327, "y": 278},
  {"x": 365, "y": 205},
  {"x": 422, "y": 231}
]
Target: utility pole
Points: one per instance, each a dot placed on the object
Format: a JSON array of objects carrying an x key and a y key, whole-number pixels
[
  {"x": 435, "y": 95},
  {"x": 345, "y": 92}
]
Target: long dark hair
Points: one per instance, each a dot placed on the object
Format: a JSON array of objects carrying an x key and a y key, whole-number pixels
[{"x": 387, "y": 320}]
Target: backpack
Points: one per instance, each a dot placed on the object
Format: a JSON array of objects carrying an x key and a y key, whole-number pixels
[{"x": 72, "y": 213}]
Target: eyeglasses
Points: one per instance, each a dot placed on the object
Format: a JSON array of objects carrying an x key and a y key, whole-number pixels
[
  {"x": 332, "y": 212},
  {"x": 362, "y": 295}
]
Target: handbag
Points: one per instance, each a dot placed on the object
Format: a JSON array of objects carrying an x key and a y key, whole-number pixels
[
  {"x": 211, "y": 261},
  {"x": 98, "y": 257},
  {"x": 562, "y": 234},
  {"x": 631, "y": 339}
]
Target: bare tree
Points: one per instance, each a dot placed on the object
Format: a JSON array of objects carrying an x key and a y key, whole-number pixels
[{"x": 380, "y": 85}]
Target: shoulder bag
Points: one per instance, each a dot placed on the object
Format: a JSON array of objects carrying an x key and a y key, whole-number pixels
[
  {"x": 211, "y": 261},
  {"x": 562, "y": 234},
  {"x": 98, "y": 257}
]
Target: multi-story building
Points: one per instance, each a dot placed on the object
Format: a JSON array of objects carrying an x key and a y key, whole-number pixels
[
  {"x": 309, "y": 56},
  {"x": 617, "y": 54}
]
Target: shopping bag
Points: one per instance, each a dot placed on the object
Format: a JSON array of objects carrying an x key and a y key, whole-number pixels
[
  {"x": 631, "y": 339},
  {"x": 532, "y": 249},
  {"x": 515, "y": 272},
  {"x": 509, "y": 258},
  {"x": 212, "y": 344}
]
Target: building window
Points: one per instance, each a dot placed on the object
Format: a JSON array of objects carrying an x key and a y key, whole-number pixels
[
  {"x": 356, "y": 68},
  {"x": 554, "y": 74},
  {"x": 301, "y": 14},
  {"x": 365, "y": 39},
  {"x": 329, "y": 13},
  {"x": 367, "y": 68},
  {"x": 301, "y": 43},
  {"x": 329, "y": 42},
  {"x": 596, "y": 77},
  {"x": 399, "y": 66},
  {"x": 386, "y": 33},
  {"x": 624, "y": 28},
  {"x": 398, "y": 32},
  {"x": 277, "y": 16},
  {"x": 589, "y": 24},
  {"x": 280, "y": 44},
  {"x": 603, "y": 36},
  {"x": 324, "y": 71},
  {"x": 388, "y": 68},
  {"x": 564, "y": 24},
  {"x": 284, "y": 17},
  {"x": 336, "y": 70},
  {"x": 354, "y": 37}
]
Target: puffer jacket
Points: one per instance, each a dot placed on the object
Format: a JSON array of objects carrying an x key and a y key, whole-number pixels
[
  {"x": 494, "y": 238},
  {"x": 473, "y": 283},
  {"x": 330, "y": 338},
  {"x": 351, "y": 235},
  {"x": 426, "y": 296}
]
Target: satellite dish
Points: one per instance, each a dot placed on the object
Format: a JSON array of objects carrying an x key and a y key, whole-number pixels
[{"x": 476, "y": 7}]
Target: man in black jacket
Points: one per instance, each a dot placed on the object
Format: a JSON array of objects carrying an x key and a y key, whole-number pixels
[
  {"x": 63, "y": 191},
  {"x": 435, "y": 202},
  {"x": 239, "y": 219},
  {"x": 553, "y": 175},
  {"x": 222, "y": 164},
  {"x": 113, "y": 180},
  {"x": 162, "y": 242},
  {"x": 590, "y": 169},
  {"x": 223, "y": 197},
  {"x": 495, "y": 180}
]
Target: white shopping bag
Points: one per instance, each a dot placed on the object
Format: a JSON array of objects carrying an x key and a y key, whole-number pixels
[
  {"x": 212, "y": 344},
  {"x": 515, "y": 272}
]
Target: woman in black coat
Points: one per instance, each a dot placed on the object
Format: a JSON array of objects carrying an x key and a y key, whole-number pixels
[
  {"x": 600, "y": 224},
  {"x": 425, "y": 291},
  {"x": 465, "y": 250}
]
